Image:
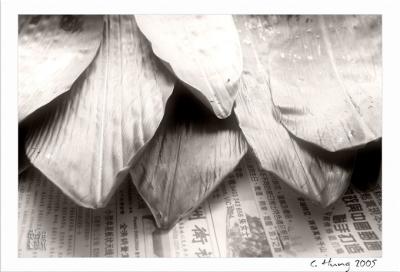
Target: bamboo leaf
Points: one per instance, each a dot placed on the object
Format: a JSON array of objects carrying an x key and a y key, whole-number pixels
[
  {"x": 85, "y": 139},
  {"x": 52, "y": 52},
  {"x": 203, "y": 51},
  {"x": 312, "y": 171},
  {"x": 190, "y": 154},
  {"x": 325, "y": 76}
]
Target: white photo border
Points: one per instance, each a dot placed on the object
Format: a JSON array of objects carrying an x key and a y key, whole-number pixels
[{"x": 9, "y": 129}]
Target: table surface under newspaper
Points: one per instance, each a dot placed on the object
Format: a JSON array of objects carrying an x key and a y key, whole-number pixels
[{"x": 251, "y": 214}]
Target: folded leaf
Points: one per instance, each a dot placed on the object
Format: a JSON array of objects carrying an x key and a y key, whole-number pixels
[
  {"x": 203, "y": 51},
  {"x": 312, "y": 171},
  {"x": 325, "y": 76},
  {"x": 87, "y": 136},
  {"x": 52, "y": 52},
  {"x": 190, "y": 154}
]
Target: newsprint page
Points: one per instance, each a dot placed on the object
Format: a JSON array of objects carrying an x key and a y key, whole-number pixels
[{"x": 251, "y": 214}]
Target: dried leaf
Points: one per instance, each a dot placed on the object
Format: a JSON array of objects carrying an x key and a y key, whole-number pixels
[
  {"x": 203, "y": 51},
  {"x": 86, "y": 137},
  {"x": 314, "y": 172},
  {"x": 52, "y": 52},
  {"x": 190, "y": 154},
  {"x": 325, "y": 76}
]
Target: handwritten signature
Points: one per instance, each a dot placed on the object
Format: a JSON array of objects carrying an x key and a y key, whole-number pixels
[{"x": 346, "y": 265}]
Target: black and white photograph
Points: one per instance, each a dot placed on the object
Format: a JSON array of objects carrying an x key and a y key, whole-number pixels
[
  {"x": 236, "y": 137},
  {"x": 199, "y": 135}
]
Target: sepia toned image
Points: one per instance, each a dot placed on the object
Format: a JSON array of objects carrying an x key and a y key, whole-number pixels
[{"x": 200, "y": 136}]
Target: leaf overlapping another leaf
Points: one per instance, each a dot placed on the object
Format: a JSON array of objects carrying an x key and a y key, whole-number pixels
[
  {"x": 325, "y": 76},
  {"x": 289, "y": 92},
  {"x": 311, "y": 171},
  {"x": 84, "y": 140},
  {"x": 203, "y": 51},
  {"x": 190, "y": 154},
  {"x": 52, "y": 52}
]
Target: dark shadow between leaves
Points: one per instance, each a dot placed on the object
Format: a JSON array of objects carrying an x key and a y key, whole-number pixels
[
  {"x": 190, "y": 154},
  {"x": 183, "y": 108}
]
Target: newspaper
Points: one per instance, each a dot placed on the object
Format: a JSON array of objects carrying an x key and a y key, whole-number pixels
[{"x": 251, "y": 214}]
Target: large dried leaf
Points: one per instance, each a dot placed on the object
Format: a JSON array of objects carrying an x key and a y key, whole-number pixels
[
  {"x": 312, "y": 171},
  {"x": 325, "y": 76},
  {"x": 188, "y": 157},
  {"x": 52, "y": 52},
  {"x": 87, "y": 136},
  {"x": 203, "y": 51}
]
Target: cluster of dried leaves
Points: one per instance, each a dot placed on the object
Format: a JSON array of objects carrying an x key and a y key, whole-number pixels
[{"x": 175, "y": 102}]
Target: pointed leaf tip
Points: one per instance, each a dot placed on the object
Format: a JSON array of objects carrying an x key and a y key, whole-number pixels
[
  {"x": 84, "y": 140},
  {"x": 190, "y": 154},
  {"x": 203, "y": 51},
  {"x": 320, "y": 175}
]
